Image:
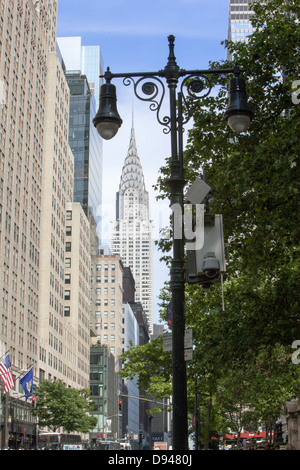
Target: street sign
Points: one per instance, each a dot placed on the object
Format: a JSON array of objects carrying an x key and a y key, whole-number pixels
[
  {"x": 167, "y": 342},
  {"x": 160, "y": 446},
  {"x": 197, "y": 192},
  {"x": 188, "y": 354},
  {"x": 188, "y": 340}
]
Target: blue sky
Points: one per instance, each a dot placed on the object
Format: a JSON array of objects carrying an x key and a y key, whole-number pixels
[{"x": 133, "y": 35}]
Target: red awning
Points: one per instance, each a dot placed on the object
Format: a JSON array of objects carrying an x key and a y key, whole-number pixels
[{"x": 246, "y": 435}]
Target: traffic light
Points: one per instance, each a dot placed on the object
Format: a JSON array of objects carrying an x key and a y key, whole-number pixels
[
  {"x": 120, "y": 405},
  {"x": 33, "y": 402}
]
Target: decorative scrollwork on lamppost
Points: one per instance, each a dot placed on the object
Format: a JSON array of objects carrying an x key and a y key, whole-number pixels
[
  {"x": 153, "y": 92},
  {"x": 150, "y": 88},
  {"x": 194, "y": 88}
]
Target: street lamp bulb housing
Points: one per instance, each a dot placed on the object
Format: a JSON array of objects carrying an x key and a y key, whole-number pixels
[
  {"x": 239, "y": 122},
  {"x": 107, "y": 129},
  {"x": 107, "y": 120},
  {"x": 238, "y": 113}
]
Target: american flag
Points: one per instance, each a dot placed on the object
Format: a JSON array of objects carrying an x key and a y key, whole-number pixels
[{"x": 6, "y": 374}]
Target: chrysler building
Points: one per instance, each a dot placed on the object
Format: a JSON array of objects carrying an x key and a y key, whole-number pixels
[{"x": 132, "y": 233}]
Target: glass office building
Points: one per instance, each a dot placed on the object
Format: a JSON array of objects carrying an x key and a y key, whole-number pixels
[
  {"x": 87, "y": 59},
  {"x": 85, "y": 144},
  {"x": 239, "y": 25},
  {"x": 83, "y": 66}
]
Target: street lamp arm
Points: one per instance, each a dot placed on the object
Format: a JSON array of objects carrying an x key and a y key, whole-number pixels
[
  {"x": 149, "y": 87},
  {"x": 108, "y": 75}
]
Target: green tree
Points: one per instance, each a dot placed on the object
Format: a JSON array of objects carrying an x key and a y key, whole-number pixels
[
  {"x": 60, "y": 406},
  {"x": 255, "y": 181},
  {"x": 151, "y": 366}
]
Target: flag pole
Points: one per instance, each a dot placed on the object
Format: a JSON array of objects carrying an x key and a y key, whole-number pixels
[
  {"x": 18, "y": 376},
  {"x": 3, "y": 355},
  {"x": 26, "y": 372},
  {"x": 4, "y": 373},
  {"x": 18, "y": 398}
]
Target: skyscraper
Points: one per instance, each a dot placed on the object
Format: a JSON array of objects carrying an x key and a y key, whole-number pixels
[
  {"x": 56, "y": 338},
  {"x": 27, "y": 36},
  {"x": 239, "y": 26},
  {"x": 85, "y": 144},
  {"x": 132, "y": 233},
  {"x": 87, "y": 59},
  {"x": 36, "y": 185},
  {"x": 83, "y": 67}
]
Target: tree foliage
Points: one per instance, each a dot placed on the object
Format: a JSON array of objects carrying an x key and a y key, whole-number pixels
[
  {"x": 154, "y": 378},
  {"x": 59, "y": 406}
]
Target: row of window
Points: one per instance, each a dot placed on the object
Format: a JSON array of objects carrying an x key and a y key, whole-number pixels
[
  {"x": 105, "y": 314},
  {"x": 98, "y": 279},
  {"x": 240, "y": 8},
  {"x": 106, "y": 266},
  {"x": 105, "y": 302},
  {"x": 105, "y": 290},
  {"x": 99, "y": 326},
  {"x": 241, "y": 1}
]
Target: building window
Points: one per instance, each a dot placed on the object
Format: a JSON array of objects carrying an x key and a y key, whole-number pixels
[
  {"x": 69, "y": 215},
  {"x": 67, "y": 262},
  {"x": 68, "y": 246},
  {"x": 68, "y": 278},
  {"x": 67, "y": 295},
  {"x": 68, "y": 230},
  {"x": 66, "y": 311}
]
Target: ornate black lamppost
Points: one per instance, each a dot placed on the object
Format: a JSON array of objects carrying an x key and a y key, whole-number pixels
[{"x": 107, "y": 121}]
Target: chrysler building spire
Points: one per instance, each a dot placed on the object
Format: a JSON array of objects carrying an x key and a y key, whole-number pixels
[{"x": 132, "y": 234}]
